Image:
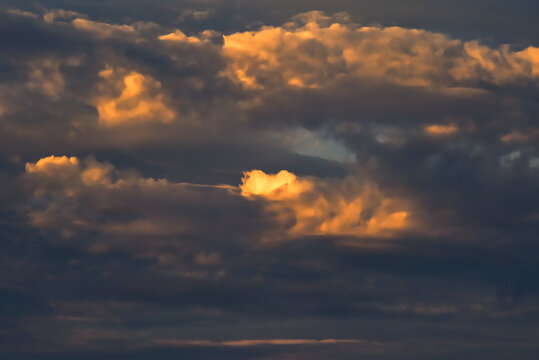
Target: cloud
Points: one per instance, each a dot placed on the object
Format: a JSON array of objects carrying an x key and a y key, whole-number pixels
[
  {"x": 278, "y": 187},
  {"x": 518, "y": 136},
  {"x": 151, "y": 95},
  {"x": 318, "y": 207},
  {"x": 441, "y": 130},
  {"x": 72, "y": 196},
  {"x": 22, "y": 13},
  {"x": 140, "y": 99},
  {"x": 179, "y": 36},
  {"x": 440, "y": 133},
  {"x": 258, "y": 342},
  {"x": 78, "y": 192},
  {"x": 103, "y": 30},
  {"x": 99, "y": 30},
  {"x": 51, "y": 164},
  {"x": 315, "y": 50},
  {"x": 61, "y": 15},
  {"x": 196, "y": 15},
  {"x": 45, "y": 75}
]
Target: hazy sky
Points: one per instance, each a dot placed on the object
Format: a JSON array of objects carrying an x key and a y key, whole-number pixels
[{"x": 269, "y": 179}]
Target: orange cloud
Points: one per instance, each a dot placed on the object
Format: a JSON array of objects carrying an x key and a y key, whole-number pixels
[
  {"x": 140, "y": 100},
  {"x": 519, "y": 137},
  {"x": 441, "y": 130},
  {"x": 316, "y": 50},
  {"x": 179, "y": 36},
  {"x": 301, "y": 205},
  {"x": 320, "y": 207},
  {"x": 277, "y": 187}
]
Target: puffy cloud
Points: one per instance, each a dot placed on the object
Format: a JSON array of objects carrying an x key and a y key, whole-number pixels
[
  {"x": 441, "y": 128},
  {"x": 313, "y": 206},
  {"x": 316, "y": 50},
  {"x": 140, "y": 99},
  {"x": 72, "y": 196},
  {"x": 80, "y": 190},
  {"x": 279, "y": 186},
  {"x": 48, "y": 165}
]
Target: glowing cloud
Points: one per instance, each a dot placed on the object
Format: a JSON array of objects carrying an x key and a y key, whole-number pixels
[
  {"x": 315, "y": 50},
  {"x": 279, "y": 186},
  {"x": 179, "y": 36},
  {"x": 302, "y": 205},
  {"x": 51, "y": 164},
  {"x": 321, "y": 207},
  {"x": 140, "y": 100},
  {"x": 440, "y": 130}
]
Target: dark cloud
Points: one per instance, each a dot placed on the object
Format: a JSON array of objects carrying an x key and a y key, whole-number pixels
[{"x": 495, "y": 21}]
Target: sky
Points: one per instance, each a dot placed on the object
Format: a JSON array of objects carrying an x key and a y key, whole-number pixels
[{"x": 288, "y": 180}]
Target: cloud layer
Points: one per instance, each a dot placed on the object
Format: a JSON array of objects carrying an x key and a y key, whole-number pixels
[{"x": 186, "y": 181}]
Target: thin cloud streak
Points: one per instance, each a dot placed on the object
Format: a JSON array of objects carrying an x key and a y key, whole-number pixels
[{"x": 260, "y": 342}]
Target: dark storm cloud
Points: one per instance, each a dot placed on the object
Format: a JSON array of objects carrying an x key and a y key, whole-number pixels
[{"x": 160, "y": 248}]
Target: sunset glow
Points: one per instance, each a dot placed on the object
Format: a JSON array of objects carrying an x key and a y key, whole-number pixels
[{"x": 269, "y": 180}]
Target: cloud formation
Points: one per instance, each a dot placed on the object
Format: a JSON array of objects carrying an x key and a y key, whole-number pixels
[
  {"x": 139, "y": 100},
  {"x": 318, "y": 207},
  {"x": 315, "y": 50},
  {"x": 405, "y": 216},
  {"x": 75, "y": 195},
  {"x": 303, "y": 206}
]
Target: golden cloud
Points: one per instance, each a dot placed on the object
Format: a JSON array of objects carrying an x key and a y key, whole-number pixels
[
  {"x": 50, "y": 164},
  {"x": 280, "y": 186},
  {"x": 300, "y": 205},
  {"x": 179, "y": 36},
  {"x": 321, "y": 207},
  {"x": 316, "y": 50},
  {"x": 441, "y": 130},
  {"x": 139, "y": 100},
  {"x": 103, "y": 30}
]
